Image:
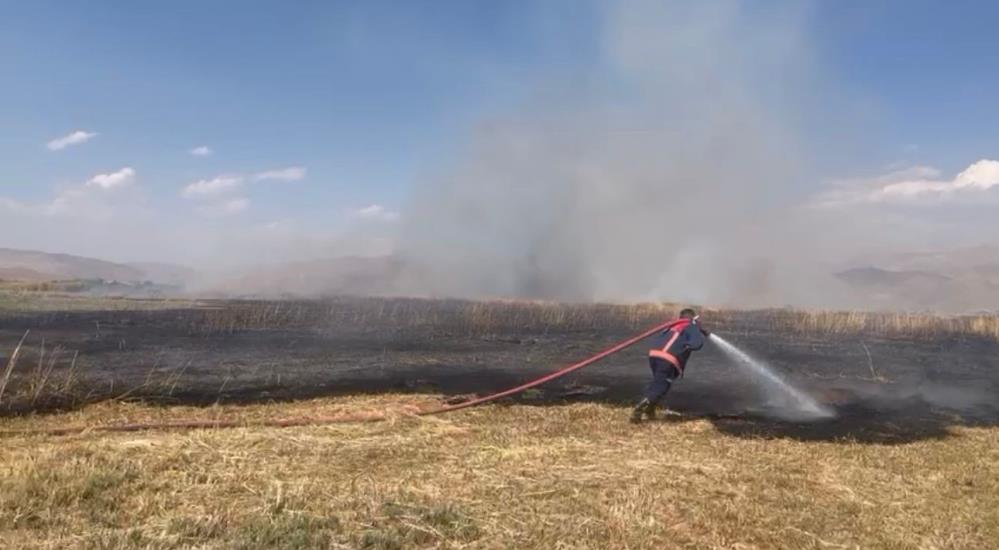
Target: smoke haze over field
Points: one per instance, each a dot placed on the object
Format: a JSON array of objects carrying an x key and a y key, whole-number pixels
[
  {"x": 674, "y": 183},
  {"x": 722, "y": 153},
  {"x": 689, "y": 179}
]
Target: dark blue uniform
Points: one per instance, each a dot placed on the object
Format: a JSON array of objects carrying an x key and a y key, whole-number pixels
[{"x": 669, "y": 354}]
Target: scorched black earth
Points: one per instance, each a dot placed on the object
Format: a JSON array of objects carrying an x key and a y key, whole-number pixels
[{"x": 884, "y": 388}]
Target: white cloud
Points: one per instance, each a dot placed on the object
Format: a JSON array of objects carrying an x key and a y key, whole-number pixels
[
  {"x": 983, "y": 174},
  {"x": 376, "y": 212},
  {"x": 212, "y": 187},
  {"x": 202, "y": 151},
  {"x": 74, "y": 138},
  {"x": 121, "y": 178},
  {"x": 227, "y": 183},
  {"x": 293, "y": 173},
  {"x": 916, "y": 184},
  {"x": 91, "y": 200}
]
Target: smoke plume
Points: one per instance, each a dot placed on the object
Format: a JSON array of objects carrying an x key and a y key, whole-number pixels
[{"x": 667, "y": 180}]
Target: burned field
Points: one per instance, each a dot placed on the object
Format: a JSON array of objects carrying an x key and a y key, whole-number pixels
[
  {"x": 889, "y": 377},
  {"x": 910, "y": 461}
]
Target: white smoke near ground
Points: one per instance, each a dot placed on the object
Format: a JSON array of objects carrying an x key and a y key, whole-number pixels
[{"x": 667, "y": 180}]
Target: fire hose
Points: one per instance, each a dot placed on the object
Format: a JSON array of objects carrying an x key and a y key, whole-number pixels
[{"x": 316, "y": 421}]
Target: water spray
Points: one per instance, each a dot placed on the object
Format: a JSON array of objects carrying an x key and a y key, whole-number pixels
[{"x": 791, "y": 402}]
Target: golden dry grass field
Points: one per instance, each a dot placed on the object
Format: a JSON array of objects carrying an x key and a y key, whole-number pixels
[{"x": 566, "y": 476}]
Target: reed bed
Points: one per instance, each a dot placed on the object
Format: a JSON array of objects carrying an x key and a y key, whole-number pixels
[{"x": 484, "y": 317}]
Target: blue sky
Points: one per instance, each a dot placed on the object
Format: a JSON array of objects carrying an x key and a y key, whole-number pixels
[
  {"x": 925, "y": 67},
  {"x": 360, "y": 103},
  {"x": 363, "y": 96}
]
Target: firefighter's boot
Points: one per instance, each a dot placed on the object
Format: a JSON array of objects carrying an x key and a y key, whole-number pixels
[
  {"x": 650, "y": 410},
  {"x": 643, "y": 408}
]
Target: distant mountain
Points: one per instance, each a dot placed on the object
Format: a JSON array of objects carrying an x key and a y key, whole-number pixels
[
  {"x": 32, "y": 265},
  {"x": 944, "y": 261},
  {"x": 960, "y": 280},
  {"x": 24, "y": 274},
  {"x": 961, "y": 289},
  {"x": 988, "y": 273},
  {"x": 66, "y": 266}
]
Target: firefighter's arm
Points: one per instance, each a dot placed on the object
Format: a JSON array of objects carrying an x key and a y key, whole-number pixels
[
  {"x": 697, "y": 323},
  {"x": 695, "y": 338}
]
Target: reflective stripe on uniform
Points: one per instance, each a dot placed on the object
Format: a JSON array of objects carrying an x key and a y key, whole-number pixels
[
  {"x": 664, "y": 353},
  {"x": 669, "y": 344},
  {"x": 660, "y": 354}
]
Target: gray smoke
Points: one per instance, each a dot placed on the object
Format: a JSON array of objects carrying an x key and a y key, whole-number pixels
[
  {"x": 665, "y": 176},
  {"x": 692, "y": 162}
]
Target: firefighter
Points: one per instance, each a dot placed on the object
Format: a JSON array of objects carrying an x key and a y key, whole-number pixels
[{"x": 667, "y": 359}]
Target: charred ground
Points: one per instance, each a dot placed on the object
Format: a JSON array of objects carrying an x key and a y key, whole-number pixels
[{"x": 891, "y": 378}]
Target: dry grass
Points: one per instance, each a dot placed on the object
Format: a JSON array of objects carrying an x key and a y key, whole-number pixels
[
  {"x": 455, "y": 317},
  {"x": 495, "y": 477},
  {"x": 214, "y": 317},
  {"x": 485, "y": 317},
  {"x": 12, "y": 286},
  {"x": 891, "y": 324},
  {"x": 488, "y": 317},
  {"x": 16, "y": 301},
  {"x": 41, "y": 385}
]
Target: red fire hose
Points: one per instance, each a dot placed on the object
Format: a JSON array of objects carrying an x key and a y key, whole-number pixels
[
  {"x": 313, "y": 421},
  {"x": 549, "y": 377}
]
